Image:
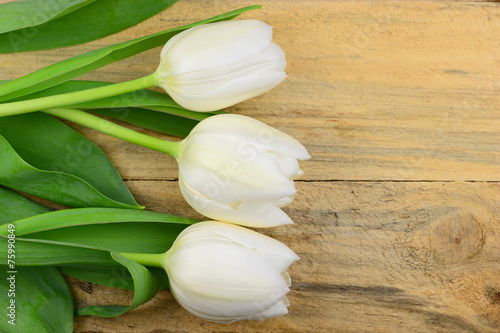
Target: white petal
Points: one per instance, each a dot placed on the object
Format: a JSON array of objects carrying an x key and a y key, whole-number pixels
[
  {"x": 227, "y": 94},
  {"x": 249, "y": 239},
  {"x": 269, "y": 60},
  {"x": 213, "y": 66},
  {"x": 229, "y": 171},
  {"x": 278, "y": 309},
  {"x": 221, "y": 272},
  {"x": 223, "y": 279},
  {"x": 215, "y": 45},
  {"x": 227, "y": 271},
  {"x": 283, "y": 201},
  {"x": 211, "y": 310},
  {"x": 259, "y": 214},
  {"x": 286, "y": 278},
  {"x": 289, "y": 166},
  {"x": 239, "y": 127}
]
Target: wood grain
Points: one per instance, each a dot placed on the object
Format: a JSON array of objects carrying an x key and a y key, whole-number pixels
[
  {"x": 397, "y": 215},
  {"x": 375, "y": 257},
  {"x": 390, "y": 90}
]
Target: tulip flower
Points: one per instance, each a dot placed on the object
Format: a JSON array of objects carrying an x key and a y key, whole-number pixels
[
  {"x": 232, "y": 168},
  {"x": 203, "y": 73},
  {"x": 224, "y": 273},
  {"x": 204, "y": 68},
  {"x": 237, "y": 169}
]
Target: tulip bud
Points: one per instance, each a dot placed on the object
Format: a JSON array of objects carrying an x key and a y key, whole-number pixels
[
  {"x": 237, "y": 169},
  {"x": 216, "y": 65},
  {"x": 225, "y": 273}
]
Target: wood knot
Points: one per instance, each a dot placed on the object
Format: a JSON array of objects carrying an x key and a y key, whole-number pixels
[
  {"x": 84, "y": 286},
  {"x": 493, "y": 295},
  {"x": 456, "y": 237},
  {"x": 479, "y": 290}
]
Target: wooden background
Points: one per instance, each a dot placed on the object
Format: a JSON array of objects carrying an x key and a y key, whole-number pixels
[{"x": 397, "y": 218}]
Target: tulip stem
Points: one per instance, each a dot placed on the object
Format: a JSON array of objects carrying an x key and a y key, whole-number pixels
[
  {"x": 110, "y": 128},
  {"x": 42, "y": 103},
  {"x": 146, "y": 259}
]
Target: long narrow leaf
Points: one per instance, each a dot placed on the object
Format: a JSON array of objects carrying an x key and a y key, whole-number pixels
[
  {"x": 93, "y": 229},
  {"x": 70, "y": 68},
  {"x": 39, "y": 300},
  {"x": 89, "y": 216},
  {"x": 14, "y": 206},
  {"x": 138, "y": 98},
  {"x": 47, "y": 253},
  {"x": 116, "y": 277},
  {"x": 146, "y": 285},
  {"x": 80, "y": 22},
  {"x": 42, "y": 156},
  {"x": 85, "y": 236},
  {"x": 30, "y": 13},
  {"x": 158, "y": 121},
  {"x": 145, "y": 237},
  {"x": 144, "y": 98}
]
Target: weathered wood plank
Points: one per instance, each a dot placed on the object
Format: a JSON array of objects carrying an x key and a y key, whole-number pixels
[
  {"x": 375, "y": 256},
  {"x": 376, "y": 90}
]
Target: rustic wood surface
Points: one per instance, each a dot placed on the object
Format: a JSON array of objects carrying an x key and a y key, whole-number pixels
[{"x": 397, "y": 218}]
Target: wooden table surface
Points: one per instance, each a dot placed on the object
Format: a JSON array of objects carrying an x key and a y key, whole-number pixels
[{"x": 397, "y": 218}]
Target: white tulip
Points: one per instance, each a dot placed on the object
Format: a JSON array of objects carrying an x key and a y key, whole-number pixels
[
  {"x": 216, "y": 65},
  {"x": 225, "y": 273},
  {"x": 237, "y": 169},
  {"x": 204, "y": 68}
]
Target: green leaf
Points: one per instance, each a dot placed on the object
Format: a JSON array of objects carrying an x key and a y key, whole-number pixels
[
  {"x": 29, "y": 13},
  {"x": 146, "y": 286},
  {"x": 140, "y": 98},
  {"x": 143, "y": 237},
  {"x": 144, "y": 98},
  {"x": 55, "y": 237},
  {"x": 48, "y": 253},
  {"x": 84, "y": 236},
  {"x": 41, "y": 300},
  {"x": 154, "y": 120},
  {"x": 42, "y": 156},
  {"x": 116, "y": 277},
  {"x": 146, "y": 108},
  {"x": 43, "y": 24},
  {"x": 15, "y": 206},
  {"x": 91, "y": 216},
  {"x": 70, "y": 68},
  {"x": 71, "y": 236}
]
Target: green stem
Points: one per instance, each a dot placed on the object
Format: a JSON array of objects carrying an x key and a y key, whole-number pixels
[
  {"x": 146, "y": 259},
  {"x": 108, "y": 127},
  {"x": 42, "y": 103}
]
